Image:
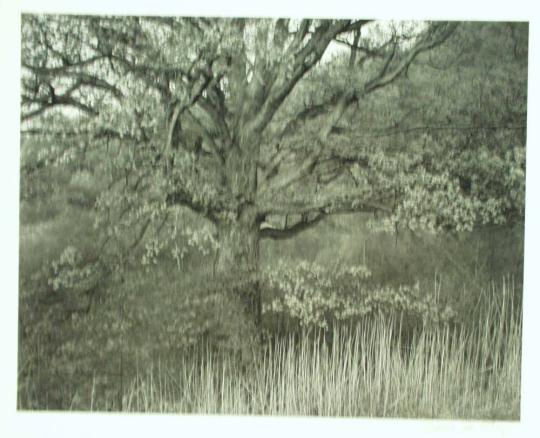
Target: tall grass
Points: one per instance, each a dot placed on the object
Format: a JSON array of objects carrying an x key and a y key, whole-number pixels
[{"x": 471, "y": 371}]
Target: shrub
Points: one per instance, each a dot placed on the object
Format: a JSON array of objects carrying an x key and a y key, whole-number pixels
[{"x": 316, "y": 296}]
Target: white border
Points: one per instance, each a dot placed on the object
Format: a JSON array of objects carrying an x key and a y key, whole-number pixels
[{"x": 14, "y": 424}]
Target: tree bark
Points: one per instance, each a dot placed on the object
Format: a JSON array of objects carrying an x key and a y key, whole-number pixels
[{"x": 238, "y": 262}]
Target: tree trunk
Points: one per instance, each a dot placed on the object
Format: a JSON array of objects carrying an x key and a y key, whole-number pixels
[{"x": 238, "y": 262}]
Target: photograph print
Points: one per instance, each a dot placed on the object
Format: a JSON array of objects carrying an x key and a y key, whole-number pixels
[{"x": 276, "y": 217}]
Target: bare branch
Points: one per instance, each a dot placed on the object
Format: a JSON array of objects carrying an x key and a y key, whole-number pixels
[
  {"x": 434, "y": 36},
  {"x": 390, "y": 131},
  {"x": 331, "y": 204},
  {"x": 52, "y": 99},
  {"x": 304, "y": 60},
  {"x": 184, "y": 198},
  {"x": 321, "y": 141},
  {"x": 206, "y": 135},
  {"x": 309, "y": 112},
  {"x": 437, "y": 34},
  {"x": 281, "y": 234},
  {"x": 65, "y": 69},
  {"x": 55, "y": 100},
  {"x": 352, "y": 58},
  {"x": 179, "y": 108}
]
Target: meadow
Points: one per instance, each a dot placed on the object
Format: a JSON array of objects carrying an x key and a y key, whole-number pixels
[
  {"x": 159, "y": 342},
  {"x": 368, "y": 371}
]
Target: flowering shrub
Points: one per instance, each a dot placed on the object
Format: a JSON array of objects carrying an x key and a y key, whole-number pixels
[
  {"x": 316, "y": 296},
  {"x": 201, "y": 239},
  {"x": 70, "y": 272}
]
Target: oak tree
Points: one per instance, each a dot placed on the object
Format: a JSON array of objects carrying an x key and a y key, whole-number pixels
[{"x": 257, "y": 125}]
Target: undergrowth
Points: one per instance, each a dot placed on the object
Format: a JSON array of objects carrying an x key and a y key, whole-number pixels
[{"x": 369, "y": 370}]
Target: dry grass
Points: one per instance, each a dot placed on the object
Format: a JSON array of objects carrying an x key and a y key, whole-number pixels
[{"x": 372, "y": 370}]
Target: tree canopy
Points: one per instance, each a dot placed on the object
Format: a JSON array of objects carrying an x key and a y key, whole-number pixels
[{"x": 266, "y": 126}]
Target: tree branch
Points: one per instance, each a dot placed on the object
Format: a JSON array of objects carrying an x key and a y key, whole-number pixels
[
  {"x": 62, "y": 100},
  {"x": 51, "y": 99},
  {"x": 309, "y": 112},
  {"x": 313, "y": 213},
  {"x": 62, "y": 70},
  {"x": 304, "y": 60},
  {"x": 390, "y": 131},
  {"x": 184, "y": 198},
  {"x": 437, "y": 34},
  {"x": 292, "y": 231},
  {"x": 329, "y": 205},
  {"x": 309, "y": 163}
]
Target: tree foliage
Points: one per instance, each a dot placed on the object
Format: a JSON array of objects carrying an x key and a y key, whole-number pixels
[{"x": 265, "y": 127}]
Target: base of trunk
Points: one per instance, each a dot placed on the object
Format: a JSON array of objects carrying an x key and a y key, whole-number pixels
[{"x": 237, "y": 266}]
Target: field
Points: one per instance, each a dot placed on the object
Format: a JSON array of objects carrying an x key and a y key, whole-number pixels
[
  {"x": 367, "y": 372},
  {"x": 389, "y": 363}
]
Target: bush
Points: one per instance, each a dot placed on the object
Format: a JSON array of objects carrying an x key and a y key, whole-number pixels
[{"x": 317, "y": 297}]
